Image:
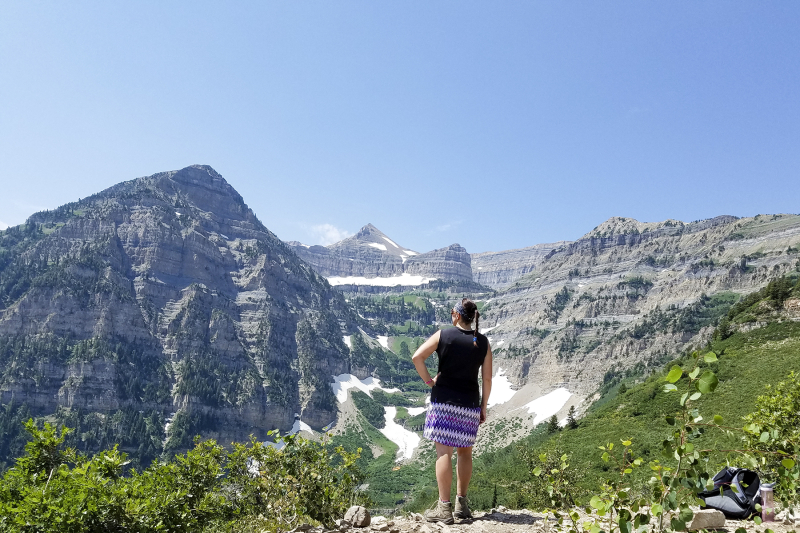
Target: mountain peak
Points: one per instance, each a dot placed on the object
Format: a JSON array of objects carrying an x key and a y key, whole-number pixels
[
  {"x": 369, "y": 229},
  {"x": 370, "y": 237}
]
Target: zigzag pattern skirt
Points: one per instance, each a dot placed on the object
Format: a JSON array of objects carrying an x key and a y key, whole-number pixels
[{"x": 452, "y": 425}]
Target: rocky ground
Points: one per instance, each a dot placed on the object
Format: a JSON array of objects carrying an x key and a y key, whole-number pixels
[{"x": 502, "y": 520}]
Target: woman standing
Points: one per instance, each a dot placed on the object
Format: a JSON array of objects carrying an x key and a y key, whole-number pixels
[{"x": 457, "y": 405}]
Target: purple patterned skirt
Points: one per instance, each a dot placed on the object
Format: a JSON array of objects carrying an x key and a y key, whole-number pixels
[{"x": 452, "y": 425}]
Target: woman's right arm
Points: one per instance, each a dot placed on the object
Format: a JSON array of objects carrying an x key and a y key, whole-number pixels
[{"x": 425, "y": 350}]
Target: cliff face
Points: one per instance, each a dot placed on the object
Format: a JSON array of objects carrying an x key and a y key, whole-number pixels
[
  {"x": 166, "y": 294},
  {"x": 449, "y": 263},
  {"x": 499, "y": 269},
  {"x": 371, "y": 254},
  {"x": 628, "y": 294}
]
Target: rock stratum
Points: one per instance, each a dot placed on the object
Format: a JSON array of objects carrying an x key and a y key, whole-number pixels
[{"x": 165, "y": 295}]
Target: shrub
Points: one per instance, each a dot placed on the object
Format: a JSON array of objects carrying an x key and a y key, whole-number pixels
[{"x": 256, "y": 486}]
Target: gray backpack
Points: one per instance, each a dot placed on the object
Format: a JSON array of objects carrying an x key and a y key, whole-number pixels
[{"x": 735, "y": 493}]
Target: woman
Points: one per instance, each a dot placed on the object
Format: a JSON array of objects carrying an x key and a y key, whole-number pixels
[{"x": 457, "y": 406}]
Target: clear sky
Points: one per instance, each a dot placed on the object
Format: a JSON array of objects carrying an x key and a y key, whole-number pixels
[{"x": 492, "y": 124}]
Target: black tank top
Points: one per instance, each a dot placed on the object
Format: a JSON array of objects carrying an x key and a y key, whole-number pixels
[{"x": 459, "y": 363}]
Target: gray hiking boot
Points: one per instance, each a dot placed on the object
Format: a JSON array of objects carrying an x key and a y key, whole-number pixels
[
  {"x": 462, "y": 511},
  {"x": 442, "y": 513}
]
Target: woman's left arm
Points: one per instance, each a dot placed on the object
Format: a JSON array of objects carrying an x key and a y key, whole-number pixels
[{"x": 486, "y": 378}]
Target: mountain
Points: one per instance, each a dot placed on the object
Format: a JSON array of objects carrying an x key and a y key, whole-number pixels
[
  {"x": 163, "y": 304},
  {"x": 371, "y": 258}
]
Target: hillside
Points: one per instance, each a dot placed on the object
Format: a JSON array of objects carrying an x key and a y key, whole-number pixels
[{"x": 757, "y": 345}]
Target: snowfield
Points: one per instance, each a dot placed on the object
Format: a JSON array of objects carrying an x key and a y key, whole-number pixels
[
  {"x": 378, "y": 246},
  {"x": 547, "y": 405},
  {"x": 414, "y": 411},
  {"x": 501, "y": 389},
  {"x": 347, "y": 341},
  {"x": 406, "y": 440},
  {"x": 384, "y": 341},
  {"x": 343, "y": 382},
  {"x": 390, "y": 241},
  {"x": 404, "y": 279}
]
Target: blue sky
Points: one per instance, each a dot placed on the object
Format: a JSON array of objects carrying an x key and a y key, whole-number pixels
[{"x": 492, "y": 124}]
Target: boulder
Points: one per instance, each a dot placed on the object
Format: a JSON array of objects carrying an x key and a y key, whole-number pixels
[
  {"x": 707, "y": 519},
  {"x": 357, "y": 516}
]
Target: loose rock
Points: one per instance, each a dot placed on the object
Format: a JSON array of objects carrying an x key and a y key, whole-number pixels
[
  {"x": 707, "y": 519},
  {"x": 357, "y": 516}
]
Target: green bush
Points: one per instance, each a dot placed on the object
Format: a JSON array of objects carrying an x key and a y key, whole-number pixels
[
  {"x": 56, "y": 489},
  {"x": 773, "y": 429}
]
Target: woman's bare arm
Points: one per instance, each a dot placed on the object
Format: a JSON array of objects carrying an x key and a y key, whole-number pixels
[
  {"x": 425, "y": 350},
  {"x": 486, "y": 378}
]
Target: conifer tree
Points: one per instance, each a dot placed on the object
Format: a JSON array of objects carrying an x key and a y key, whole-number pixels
[
  {"x": 552, "y": 424},
  {"x": 571, "y": 422}
]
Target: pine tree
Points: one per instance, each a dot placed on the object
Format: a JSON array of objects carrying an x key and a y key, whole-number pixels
[
  {"x": 405, "y": 353},
  {"x": 552, "y": 424},
  {"x": 571, "y": 422}
]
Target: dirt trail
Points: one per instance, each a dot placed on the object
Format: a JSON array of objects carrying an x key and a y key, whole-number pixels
[{"x": 517, "y": 521}]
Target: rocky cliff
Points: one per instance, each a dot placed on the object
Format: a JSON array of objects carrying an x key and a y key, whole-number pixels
[
  {"x": 371, "y": 254},
  {"x": 166, "y": 295},
  {"x": 498, "y": 269},
  {"x": 628, "y": 295}
]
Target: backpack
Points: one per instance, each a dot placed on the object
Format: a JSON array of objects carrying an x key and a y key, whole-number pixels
[{"x": 735, "y": 493}]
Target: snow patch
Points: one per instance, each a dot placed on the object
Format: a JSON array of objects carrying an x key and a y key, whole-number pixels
[
  {"x": 501, "y": 389},
  {"x": 378, "y": 246},
  {"x": 343, "y": 382},
  {"x": 410, "y": 252},
  {"x": 547, "y": 405},
  {"x": 390, "y": 241},
  {"x": 347, "y": 341},
  {"x": 500, "y": 342},
  {"x": 404, "y": 279},
  {"x": 487, "y": 330},
  {"x": 414, "y": 411},
  {"x": 384, "y": 341},
  {"x": 299, "y": 426},
  {"x": 405, "y": 439}
]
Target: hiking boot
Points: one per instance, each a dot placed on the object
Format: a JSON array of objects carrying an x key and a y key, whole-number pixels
[
  {"x": 443, "y": 513},
  {"x": 462, "y": 511}
]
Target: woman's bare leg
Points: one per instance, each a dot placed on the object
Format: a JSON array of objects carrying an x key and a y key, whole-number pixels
[
  {"x": 463, "y": 470},
  {"x": 444, "y": 470}
]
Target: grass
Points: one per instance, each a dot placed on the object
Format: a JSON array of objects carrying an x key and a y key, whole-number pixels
[{"x": 394, "y": 342}]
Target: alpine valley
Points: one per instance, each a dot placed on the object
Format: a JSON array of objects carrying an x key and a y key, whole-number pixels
[{"x": 162, "y": 308}]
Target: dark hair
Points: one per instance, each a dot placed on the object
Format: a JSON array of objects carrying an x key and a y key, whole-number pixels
[{"x": 472, "y": 313}]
